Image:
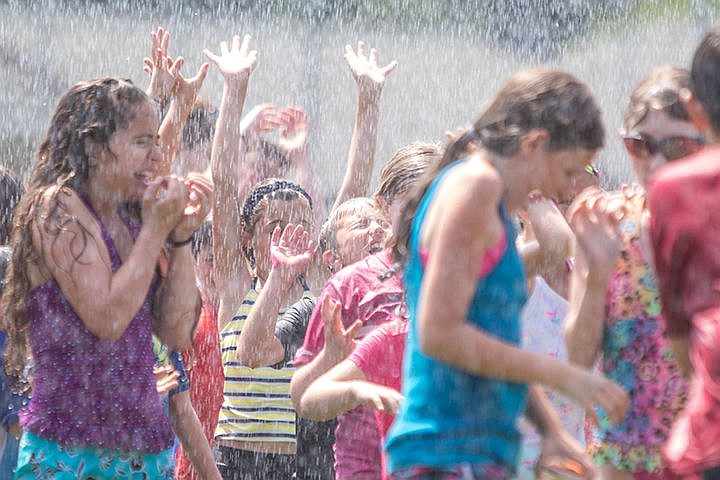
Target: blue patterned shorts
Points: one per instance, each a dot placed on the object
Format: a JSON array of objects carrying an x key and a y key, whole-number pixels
[{"x": 41, "y": 459}]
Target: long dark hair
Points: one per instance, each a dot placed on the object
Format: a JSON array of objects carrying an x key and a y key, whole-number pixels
[
  {"x": 552, "y": 100},
  {"x": 705, "y": 72},
  {"x": 85, "y": 118}
]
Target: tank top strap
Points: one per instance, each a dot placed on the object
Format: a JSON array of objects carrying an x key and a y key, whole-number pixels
[{"x": 131, "y": 225}]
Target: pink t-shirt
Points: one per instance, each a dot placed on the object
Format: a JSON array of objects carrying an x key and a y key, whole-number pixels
[
  {"x": 380, "y": 357},
  {"x": 365, "y": 297},
  {"x": 684, "y": 226}
]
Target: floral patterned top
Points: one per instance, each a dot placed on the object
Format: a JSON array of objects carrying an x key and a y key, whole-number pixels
[{"x": 636, "y": 354}]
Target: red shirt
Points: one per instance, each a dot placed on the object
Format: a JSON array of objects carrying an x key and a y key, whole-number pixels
[
  {"x": 205, "y": 371},
  {"x": 684, "y": 203},
  {"x": 380, "y": 357},
  {"x": 365, "y": 297}
]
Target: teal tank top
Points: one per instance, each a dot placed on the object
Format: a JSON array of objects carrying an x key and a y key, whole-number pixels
[{"x": 450, "y": 416}]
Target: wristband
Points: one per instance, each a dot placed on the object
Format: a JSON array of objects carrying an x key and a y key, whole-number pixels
[{"x": 170, "y": 243}]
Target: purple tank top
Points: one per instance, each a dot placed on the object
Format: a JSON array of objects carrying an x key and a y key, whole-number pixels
[{"x": 88, "y": 391}]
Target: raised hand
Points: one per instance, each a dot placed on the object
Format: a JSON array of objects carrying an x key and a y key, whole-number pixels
[
  {"x": 339, "y": 341},
  {"x": 158, "y": 65},
  {"x": 368, "y": 75},
  {"x": 291, "y": 250},
  {"x": 186, "y": 89},
  {"x": 261, "y": 119},
  {"x": 236, "y": 63},
  {"x": 293, "y": 130}
]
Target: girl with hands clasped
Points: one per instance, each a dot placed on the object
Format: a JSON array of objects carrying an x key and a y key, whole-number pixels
[
  {"x": 464, "y": 377},
  {"x": 621, "y": 321},
  {"x": 86, "y": 291}
]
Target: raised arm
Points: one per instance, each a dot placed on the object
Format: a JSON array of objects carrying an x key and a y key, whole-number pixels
[
  {"x": 291, "y": 252},
  {"x": 343, "y": 388},
  {"x": 167, "y": 84},
  {"x": 236, "y": 64},
  {"x": 370, "y": 79},
  {"x": 183, "y": 97},
  {"x": 293, "y": 135},
  {"x": 595, "y": 256}
]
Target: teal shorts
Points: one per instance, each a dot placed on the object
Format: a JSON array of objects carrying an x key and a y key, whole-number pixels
[{"x": 39, "y": 458}]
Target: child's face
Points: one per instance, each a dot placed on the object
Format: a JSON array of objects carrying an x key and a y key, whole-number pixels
[
  {"x": 277, "y": 212},
  {"x": 562, "y": 175},
  {"x": 133, "y": 156},
  {"x": 360, "y": 234},
  {"x": 657, "y": 126}
]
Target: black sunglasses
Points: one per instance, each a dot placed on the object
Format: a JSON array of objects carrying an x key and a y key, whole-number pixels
[{"x": 672, "y": 148}]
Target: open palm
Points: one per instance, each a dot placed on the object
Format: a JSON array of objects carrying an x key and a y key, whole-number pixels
[
  {"x": 369, "y": 76},
  {"x": 291, "y": 250},
  {"x": 238, "y": 61}
]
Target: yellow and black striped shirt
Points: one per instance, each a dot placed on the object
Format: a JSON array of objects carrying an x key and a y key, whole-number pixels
[{"x": 256, "y": 401}]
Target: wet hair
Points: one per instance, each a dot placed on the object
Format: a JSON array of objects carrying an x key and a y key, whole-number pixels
[
  {"x": 85, "y": 118},
  {"x": 202, "y": 238},
  {"x": 660, "y": 90},
  {"x": 200, "y": 124},
  {"x": 5, "y": 255},
  {"x": 705, "y": 74},
  {"x": 405, "y": 168},
  {"x": 269, "y": 189},
  {"x": 550, "y": 100},
  {"x": 272, "y": 155},
  {"x": 329, "y": 229},
  {"x": 10, "y": 192}
]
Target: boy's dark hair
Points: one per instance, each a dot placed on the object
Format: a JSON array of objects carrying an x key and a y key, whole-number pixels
[
  {"x": 705, "y": 74},
  {"x": 202, "y": 238},
  {"x": 200, "y": 125}
]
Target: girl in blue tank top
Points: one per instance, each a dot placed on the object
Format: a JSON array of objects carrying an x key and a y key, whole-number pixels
[{"x": 464, "y": 376}]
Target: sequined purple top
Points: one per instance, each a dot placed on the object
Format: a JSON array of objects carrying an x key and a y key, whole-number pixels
[{"x": 88, "y": 391}]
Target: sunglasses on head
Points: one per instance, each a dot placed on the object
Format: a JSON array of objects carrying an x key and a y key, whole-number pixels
[{"x": 672, "y": 148}]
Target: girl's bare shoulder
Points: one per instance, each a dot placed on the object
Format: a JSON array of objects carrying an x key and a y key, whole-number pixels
[{"x": 475, "y": 180}]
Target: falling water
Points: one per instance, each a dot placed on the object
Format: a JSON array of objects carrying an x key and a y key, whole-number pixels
[{"x": 452, "y": 55}]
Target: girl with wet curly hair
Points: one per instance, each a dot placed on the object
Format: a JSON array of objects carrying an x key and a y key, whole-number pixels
[{"x": 85, "y": 291}]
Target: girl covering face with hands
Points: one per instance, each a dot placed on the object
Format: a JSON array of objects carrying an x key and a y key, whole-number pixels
[{"x": 85, "y": 291}]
